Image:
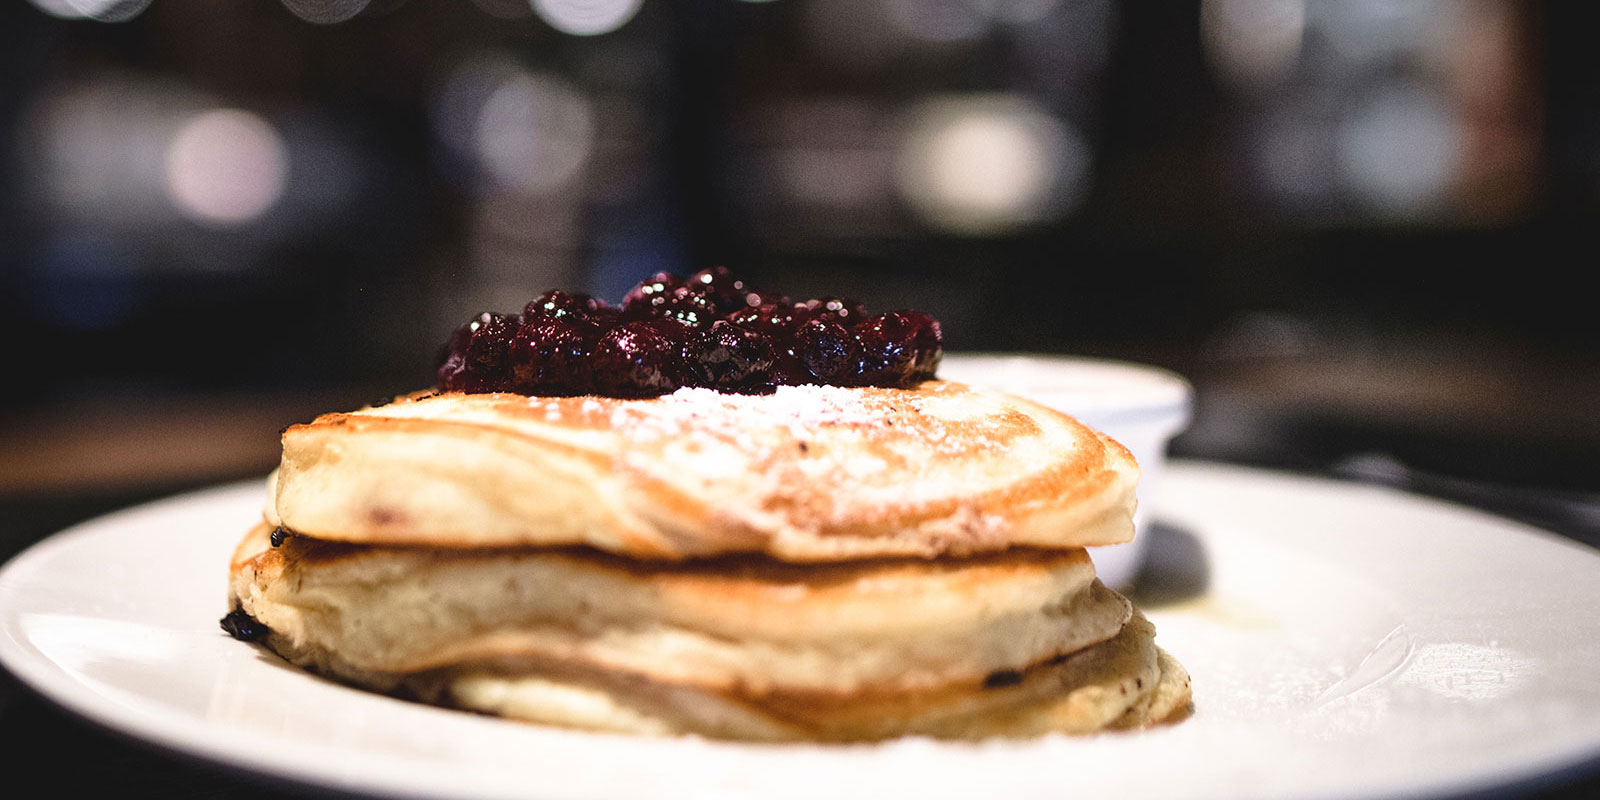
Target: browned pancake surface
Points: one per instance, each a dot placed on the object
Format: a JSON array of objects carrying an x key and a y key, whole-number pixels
[
  {"x": 736, "y": 623},
  {"x": 804, "y": 474}
]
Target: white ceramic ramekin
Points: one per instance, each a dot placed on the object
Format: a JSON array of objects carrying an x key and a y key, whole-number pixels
[{"x": 1141, "y": 406}]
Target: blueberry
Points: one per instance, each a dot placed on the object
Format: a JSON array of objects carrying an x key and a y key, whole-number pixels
[
  {"x": 489, "y": 341},
  {"x": 788, "y": 369},
  {"x": 828, "y": 350},
  {"x": 926, "y": 342},
  {"x": 475, "y": 360},
  {"x": 641, "y": 300},
  {"x": 639, "y": 359},
  {"x": 688, "y": 308},
  {"x": 719, "y": 285},
  {"x": 710, "y": 329},
  {"x": 729, "y": 357},
  {"x": 605, "y": 317},
  {"x": 549, "y": 355},
  {"x": 898, "y": 348},
  {"x": 772, "y": 319},
  {"x": 560, "y": 305}
]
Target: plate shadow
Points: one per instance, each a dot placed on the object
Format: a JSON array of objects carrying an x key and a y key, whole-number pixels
[{"x": 1176, "y": 567}]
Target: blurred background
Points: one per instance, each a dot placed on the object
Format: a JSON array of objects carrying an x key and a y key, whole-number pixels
[{"x": 1359, "y": 227}]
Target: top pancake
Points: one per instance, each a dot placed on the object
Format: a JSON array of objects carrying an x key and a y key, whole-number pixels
[{"x": 805, "y": 474}]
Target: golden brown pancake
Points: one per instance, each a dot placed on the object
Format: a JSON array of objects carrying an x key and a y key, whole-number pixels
[
  {"x": 805, "y": 474},
  {"x": 1124, "y": 683},
  {"x": 749, "y": 625},
  {"x": 1010, "y": 644},
  {"x": 818, "y": 563}
]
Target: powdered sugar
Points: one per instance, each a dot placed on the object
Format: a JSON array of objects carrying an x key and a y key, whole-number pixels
[{"x": 800, "y": 409}]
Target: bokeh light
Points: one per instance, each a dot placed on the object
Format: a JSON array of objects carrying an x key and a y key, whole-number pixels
[
  {"x": 1400, "y": 151},
  {"x": 97, "y": 10},
  {"x": 326, "y": 12},
  {"x": 587, "y": 17},
  {"x": 528, "y": 132},
  {"x": 534, "y": 133},
  {"x": 93, "y": 149},
  {"x": 987, "y": 164},
  {"x": 1369, "y": 33},
  {"x": 1253, "y": 44},
  {"x": 226, "y": 167}
]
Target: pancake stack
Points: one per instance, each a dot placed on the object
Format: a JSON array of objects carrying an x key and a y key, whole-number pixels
[{"x": 813, "y": 564}]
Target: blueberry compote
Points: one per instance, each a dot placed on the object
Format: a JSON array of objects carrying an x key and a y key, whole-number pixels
[{"x": 708, "y": 330}]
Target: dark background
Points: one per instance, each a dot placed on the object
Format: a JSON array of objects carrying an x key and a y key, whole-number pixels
[
  {"x": 1353, "y": 225},
  {"x": 1358, "y": 227}
]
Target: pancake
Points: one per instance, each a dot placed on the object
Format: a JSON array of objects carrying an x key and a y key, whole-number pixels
[
  {"x": 1012, "y": 644},
  {"x": 750, "y": 626},
  {"x": 1125, "y": 683},
  {"x": 805, "y": 474},
  {"x": 814, "y": 564}
]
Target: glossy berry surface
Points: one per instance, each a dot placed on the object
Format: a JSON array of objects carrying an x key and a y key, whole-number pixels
[
  {"x": 643, "y": 298},
  {"x": 718, "y": 284},
  {"x": 479, "y": 353},
  {"x": 730, "y": 358},
  {"x": 828, "y": 350},
  {"x": 771, "y": 319},
  {"x": 557, "y": 304},
  {"x": 639, "y": 359},
  {"x": 549, "y": 355},
  {"x": 687, "y": 307},
  {"x": 897, "y": 348},
  {"x": 709, "y": 330}
]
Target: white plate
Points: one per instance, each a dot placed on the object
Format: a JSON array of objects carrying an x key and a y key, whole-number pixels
[{"x": 1348, "y": 642}]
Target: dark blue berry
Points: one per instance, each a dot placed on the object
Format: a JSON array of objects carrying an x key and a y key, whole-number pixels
[
  {"x": 688, "y": 308},
  {"x": 772, "y": 319},
  {"x": 642, "y": 299},
  {"x": 549, "y": 355},
  {"x": 828, "y": 350},
  {"x": 641, "y": 358},
  {"x": 718, "y": 284},
  {"x": 926, "y": 342},
  {"x": 729, "y": 357},
  {"x": 485, "y": 356},
  {"x": 709, "y": 329},
  {"x": 898, "y": 348},
  {"x": 560, "y": 305}
]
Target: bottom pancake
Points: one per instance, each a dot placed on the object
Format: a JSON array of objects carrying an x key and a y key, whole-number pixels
[
  {"x": 740, "y": 625},
  {"x": 1011, "y": 644},
  {"x": 1125, "y": 683}
]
